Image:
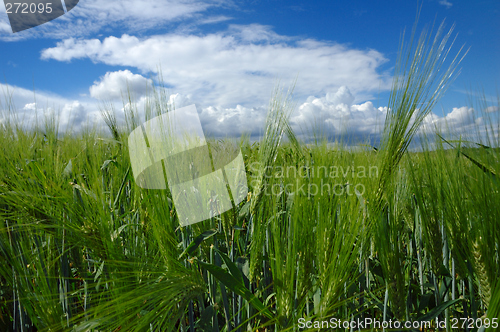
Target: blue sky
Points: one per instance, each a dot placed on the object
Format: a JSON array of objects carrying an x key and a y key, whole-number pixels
[{"x": 225, "y": 56}]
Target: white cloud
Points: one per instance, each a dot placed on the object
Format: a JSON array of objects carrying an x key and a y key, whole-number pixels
[
  {"x": 30, "y": 107},
  {"x": 456, "y": 119},
  {"x": 233, "y": 122},
  {"x": 445, "y": 3},
  {"x": 92, "y": 16},
  {"x": 214, "y": 19},
  {"x": 491, "y": 109},
  {"x": 336, "y": 114},
  {"x": 460, "y": 116},
  {"x": 74, "y": 115},
  {"x": 463, "y": 121},
  {"x": 114, "y": 85},
  {"x": 239, "y": 66},
  {"x": 254, "y": 33},
  {"x": 333, "y": 115},
  {"x": 4, "y": 26},
  {"x": 71, "y": 115},
  {"x": 333, "y": 108},
  {"x": 177, "y": 100}
]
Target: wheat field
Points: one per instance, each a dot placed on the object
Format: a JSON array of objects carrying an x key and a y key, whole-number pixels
[{"x": 326, "y": 233}]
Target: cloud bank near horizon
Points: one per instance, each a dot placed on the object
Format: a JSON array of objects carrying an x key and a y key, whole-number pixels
[{"x": 334, "y": 115}]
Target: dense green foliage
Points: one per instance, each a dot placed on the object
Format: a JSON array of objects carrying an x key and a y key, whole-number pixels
[{"x": 326, "y": 231}]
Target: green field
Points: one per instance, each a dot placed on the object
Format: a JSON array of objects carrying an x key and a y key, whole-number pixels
[{"x": 327, "y": 232}]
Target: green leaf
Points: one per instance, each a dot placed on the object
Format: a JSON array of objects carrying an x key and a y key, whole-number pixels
[
  {"x": 437, "y": 310},
  {"x": 87, "y": 326},
  {"x": 109, "y": 140},
  {"x": 36, "y": 170},
  {"x": 68, "y": 170},
  {"x": 196, "y": 242},
  {"x": 424, "y": 301},
  {"x": 481, "y": 166},
  {"x": 233, "y": 269},
  {"x": 121, "y": 188},
  {"x": 244, "y": 211},
  {"x": 86, "y": 191},
  {"x": 117, "y": 232},
  {"x": 99, "y": 271},
  {"x": 443, "y": 271},
  {"x": 106, "y": 164},
  {"x": 205, "y": 322},
  {"x": 237, "y": 287}
]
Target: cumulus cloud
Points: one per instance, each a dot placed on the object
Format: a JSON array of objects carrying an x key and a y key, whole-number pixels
[
  {"x": 71, "y": 115},
  {"x": 114, "y": 85},
  {"x": 233, "y": 122},
  {"x": 464, "y": 123},
  {"x": 491, "y": 109},
  {"x": 237, "y": 66},
  {"x": 336, "y": 114},
  {"x": 92, "y": 16},
  {"x": 459, "y": 118},
  {"x": 177, "y": 100},
  {"x": 30, "y": 107}
]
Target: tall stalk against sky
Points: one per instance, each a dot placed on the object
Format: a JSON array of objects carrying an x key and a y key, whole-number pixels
[
  {"x": 421, "y": 77},
  {"x": 420, "y": 80}
]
